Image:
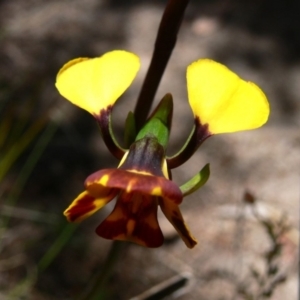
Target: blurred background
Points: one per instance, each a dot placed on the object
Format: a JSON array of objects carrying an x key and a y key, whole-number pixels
[{"x": 245, "y": 218}]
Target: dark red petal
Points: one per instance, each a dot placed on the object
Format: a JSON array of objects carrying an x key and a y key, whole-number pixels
[
  {"x": 173, "y": 214},
  {"x": 134, "y": 221},
  {"x": 134, "y": 182},
  {"x": 85, "y": 205}
]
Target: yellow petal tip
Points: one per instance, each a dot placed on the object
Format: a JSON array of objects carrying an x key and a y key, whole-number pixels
[
  {"x": 224, "y": 101},
  {"x": 94, "y": 84}
]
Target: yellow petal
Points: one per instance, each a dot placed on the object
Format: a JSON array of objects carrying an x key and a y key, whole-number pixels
[
  {"x": 223, "y": 100},
  {"x": 94, "y": 84}
]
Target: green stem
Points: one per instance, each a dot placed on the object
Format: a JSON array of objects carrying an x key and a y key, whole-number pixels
[
  {"x": 96, "y": 288},
  {"x": 28, "y": 167},
  {"x": 21, "y": 143},
  {"x": 164, "y": 45},
  {"x": 56, "y": 247}
]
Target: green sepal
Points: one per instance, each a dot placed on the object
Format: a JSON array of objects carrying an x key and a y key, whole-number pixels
[
  {"x": 130, "y": 130},
  {"x": 196, "y": 182},
  {"x": 159, "y": 123}
]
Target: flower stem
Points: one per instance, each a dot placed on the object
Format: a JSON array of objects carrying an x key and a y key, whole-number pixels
[
  {"x": 56, "y": 247},
  {"x": 164, "y": 45},
  {"x": 96, "y": 288}
]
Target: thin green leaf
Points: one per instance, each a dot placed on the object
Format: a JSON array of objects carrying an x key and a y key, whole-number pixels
[{"x": 196, "y": 182}]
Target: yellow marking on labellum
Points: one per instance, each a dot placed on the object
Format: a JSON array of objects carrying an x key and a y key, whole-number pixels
[
  {"x": 128, "y": 188},
  {"x": 99, "y": 203},
  {"x": 84, "y": 206},
  {"x": 130, "y": 226},
  {"x": 103, "y": 180},
  {"x": 140, "y": 172},
  {"x": 99, "y": 190},
  {"x": 157, "y": 191}
]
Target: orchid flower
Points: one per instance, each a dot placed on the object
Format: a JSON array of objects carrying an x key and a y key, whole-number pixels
[{"x": 221, "y": 102}]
